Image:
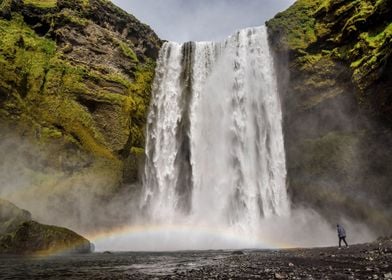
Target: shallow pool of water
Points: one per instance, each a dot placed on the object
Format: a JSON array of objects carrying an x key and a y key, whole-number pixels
[{"x": 107, "y": 266}]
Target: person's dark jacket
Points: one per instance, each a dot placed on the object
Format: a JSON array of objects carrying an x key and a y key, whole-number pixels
[{"x": 341, "y": 232}]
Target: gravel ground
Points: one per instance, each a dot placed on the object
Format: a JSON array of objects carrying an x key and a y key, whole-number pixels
[{"x": 366, "y": 261}]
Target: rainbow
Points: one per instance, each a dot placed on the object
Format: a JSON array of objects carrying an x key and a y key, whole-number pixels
[
  {"x": 187, "y": 233},
  {"x": 147, "y": 233}
]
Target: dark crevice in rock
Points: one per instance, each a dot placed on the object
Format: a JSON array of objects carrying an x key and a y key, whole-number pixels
[
  {"x": 91, "y": 105},
  {"x": 4, "y": 95},
  {"x": 24, "y": 85}
]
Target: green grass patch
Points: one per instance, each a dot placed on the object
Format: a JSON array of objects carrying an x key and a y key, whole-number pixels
[
  {"x": 73, "y": 17},
  {"x": 5, "y": 5},
  {"x": 297, "y": 24},
  {"x": 127, "y": 51},
  {"x": 41, "y": 3}
]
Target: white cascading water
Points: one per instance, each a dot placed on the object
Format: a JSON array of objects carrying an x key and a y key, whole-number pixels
[{"x": 215, "y": 151}]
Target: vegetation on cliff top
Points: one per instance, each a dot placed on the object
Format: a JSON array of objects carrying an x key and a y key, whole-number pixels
[{"x": 41, "y": 3}]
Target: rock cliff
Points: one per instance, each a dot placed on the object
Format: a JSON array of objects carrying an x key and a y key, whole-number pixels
[
  {"x": 78, "y": 73},
  {"x": 75, "y": 80},
  {"x": 335, "y": 60}
]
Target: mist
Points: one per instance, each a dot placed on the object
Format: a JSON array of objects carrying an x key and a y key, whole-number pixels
[
  {"x": 31, "y": 179},
  {"x": 205, "y": 20},
  {"x": 114, "y": 222},
  {"x": 303, "y": 228}
]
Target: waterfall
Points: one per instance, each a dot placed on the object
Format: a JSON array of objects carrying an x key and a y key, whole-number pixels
[{"x": 214, "y": 151}]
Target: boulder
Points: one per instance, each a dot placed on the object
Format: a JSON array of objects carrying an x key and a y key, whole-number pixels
[
  {"x": 35, "y": 238},
  {"x": 20, "y": 235}
]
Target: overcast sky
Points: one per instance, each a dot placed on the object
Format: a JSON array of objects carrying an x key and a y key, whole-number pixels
[{"x": 201, "y": 20}]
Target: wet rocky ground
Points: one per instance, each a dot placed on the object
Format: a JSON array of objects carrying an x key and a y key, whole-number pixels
[
  {"x": 369, "y": 261},
  {"x": 366, "y": 261}
]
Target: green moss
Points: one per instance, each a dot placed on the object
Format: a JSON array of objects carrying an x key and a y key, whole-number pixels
[
  {"x": 41, "y": 3},
  {"x": 348, "y": 7},
  {"x": 5, "y": 6},
  {"x": 358, "y": 33},
  {"x": 141, "y": 92},
  {"x": 372, "y": 51},
  {"x": 137, "y": 151},
  {"x": 53, "y": 85},
  {"x": 128, "y": 52},
  {"x": 324, "y": 7},
  {"x": 76, "y": 121},
  {"x": 50, "y": 83},
  {"x": 29, "y": 54},
  {"x": 143, "y": 79},
  {"x": 120, "y": 78},
  {"x": 72, "y": 17},
  {"x": 86, "y": 3},
  {"x": 51, "y": 133},
  {"x": 59, "y": 97},
  {"x": 357, "y": 63},
  {"x": 363, "y": 10},
  {"x": 297, "y": 25},
  {"x": 136, "y": 99}
]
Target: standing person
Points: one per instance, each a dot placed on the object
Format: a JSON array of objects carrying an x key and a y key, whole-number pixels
[{"x": 341, "y": 235}]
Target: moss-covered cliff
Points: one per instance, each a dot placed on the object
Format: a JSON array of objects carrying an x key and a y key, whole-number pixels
[
  {"x": 335, "y": 56},
  {"x": 79, "y": 71},
  {"x": 75, "y": 79}
]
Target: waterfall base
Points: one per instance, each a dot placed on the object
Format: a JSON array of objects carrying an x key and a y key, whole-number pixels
[{"x": 304, "y": 228}]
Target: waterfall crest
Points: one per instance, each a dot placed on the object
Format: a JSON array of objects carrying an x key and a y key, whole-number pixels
[{"x": 214, "y": 151}]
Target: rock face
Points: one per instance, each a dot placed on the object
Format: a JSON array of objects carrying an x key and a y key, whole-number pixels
[
  {"x": 20, "y": 235},
  {"x": 75, "y": 81},
  {"x": 335, "y": 59},
  {"x": 77, "y": 73}
]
